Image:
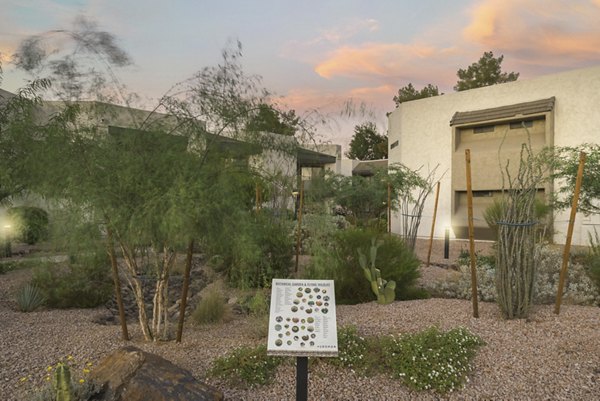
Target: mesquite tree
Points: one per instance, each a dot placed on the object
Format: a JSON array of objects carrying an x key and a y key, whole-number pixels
[{"x": 515, "y": 266}]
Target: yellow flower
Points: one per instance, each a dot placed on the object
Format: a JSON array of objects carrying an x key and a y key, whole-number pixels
[
  {"x": 81, "y": 381},
  {"x": 23, "y": 379},
  {"x": 69, "y": 357},
  {"x": 89, "y": 364},
  {"x": 49, "y": 369},
  {"x": 86, "y": 371},
  {"x": 47, "y": 378}
]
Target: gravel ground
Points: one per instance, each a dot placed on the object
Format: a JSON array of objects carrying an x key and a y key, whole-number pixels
[{"x": 547, "y": 357}]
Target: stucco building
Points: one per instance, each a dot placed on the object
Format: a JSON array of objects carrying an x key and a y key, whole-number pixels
[{"x": 553, "y": 110}]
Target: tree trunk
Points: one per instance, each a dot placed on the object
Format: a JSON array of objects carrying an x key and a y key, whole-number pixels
[
  {"x": 138, "y": 290},
  {"x": 160, "y": 319}
]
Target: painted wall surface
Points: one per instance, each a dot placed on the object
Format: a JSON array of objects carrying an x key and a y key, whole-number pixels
[{"x": 422, "y": 129}]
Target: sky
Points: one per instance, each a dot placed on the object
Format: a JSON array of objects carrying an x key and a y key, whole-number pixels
[{"x": 320, "y": 54}]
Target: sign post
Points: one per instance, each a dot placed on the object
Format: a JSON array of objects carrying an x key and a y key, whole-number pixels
[{"x": 302, "y": 323}]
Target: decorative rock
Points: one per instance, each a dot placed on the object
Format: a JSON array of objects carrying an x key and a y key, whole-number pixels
[{"x": 130, "y": 374}]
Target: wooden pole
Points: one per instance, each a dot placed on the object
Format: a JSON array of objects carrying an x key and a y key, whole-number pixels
[
  {"x": 437, "y": 196},
  {"x": 257, "y": 198},
  {"x": 299, "y": 236},
  {"x": 184, "y": 291},
  {"x": 389, "y": 208},
  {"x": 471, "y": 235},
  {"x": 115, "y": 274},
  {"x": 567, "y": 250}
]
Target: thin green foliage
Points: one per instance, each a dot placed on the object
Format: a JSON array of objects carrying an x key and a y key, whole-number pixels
[{"x": 29, "y": 298}]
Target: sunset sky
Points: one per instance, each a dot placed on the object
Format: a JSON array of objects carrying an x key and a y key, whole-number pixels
[{"x": 318, "y": 54}]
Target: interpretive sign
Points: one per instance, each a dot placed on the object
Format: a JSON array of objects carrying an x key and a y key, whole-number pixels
[{"x": 302, "y": 319}]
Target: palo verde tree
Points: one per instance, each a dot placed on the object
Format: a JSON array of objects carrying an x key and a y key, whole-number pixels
[
  {"x": 408, "y": 93},
  {"x": 141, "y": 186},
  {"x": 365, "y": 198},
  {"x": 485, "y": 72},
  {"x": 566, "y": 161},
  {"x": 367, "y": 143}
]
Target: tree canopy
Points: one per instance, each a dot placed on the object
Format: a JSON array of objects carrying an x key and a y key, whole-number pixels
[
  {"x": 367, "y": 143},
  {"x": 485, "y": 72},
  {"x": 269, "y": 119},
  {"x": 565, "y": 168},
  {"x": 409, "y": 92}
]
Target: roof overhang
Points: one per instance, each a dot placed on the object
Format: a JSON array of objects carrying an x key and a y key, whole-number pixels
[
  {"x": 367, "y": 168},
  {"x": 526, "y": 109},
  {"x": 310, "y": 158}
]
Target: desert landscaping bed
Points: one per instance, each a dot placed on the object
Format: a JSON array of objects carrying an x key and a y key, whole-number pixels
[{"x": 546, "y": 357}]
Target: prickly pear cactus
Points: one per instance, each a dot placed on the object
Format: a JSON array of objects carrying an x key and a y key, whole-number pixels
[
  {"x": 62, "y": 383},
  {"x": 385, "y": 291}
]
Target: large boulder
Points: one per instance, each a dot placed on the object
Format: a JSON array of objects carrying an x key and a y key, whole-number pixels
[{"x": 130, "y": 374}]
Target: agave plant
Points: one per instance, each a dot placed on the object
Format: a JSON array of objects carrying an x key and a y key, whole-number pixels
[{"x": 30, "y": 298}]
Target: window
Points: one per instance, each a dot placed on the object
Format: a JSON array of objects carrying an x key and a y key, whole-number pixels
[
  {"x": 394, "y": 144},
  {"x": 482, "y": 194},
  {"x": 484, "y": 129},
  {"x": 521, "y": 124}
]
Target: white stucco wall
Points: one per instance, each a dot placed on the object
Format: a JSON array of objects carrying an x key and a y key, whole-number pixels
[{"x": 422, "y": 129}]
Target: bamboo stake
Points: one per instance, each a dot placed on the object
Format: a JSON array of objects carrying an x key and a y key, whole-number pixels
[
  {"x": 299, "y": 236},
  {"x": 567, "y": 250},
  {"x": 115, "y": 274},
  {"x": 435, "y": 206},
  {"x": 471, "y": 235},
  {"x": 389, "y": 208},
  {"x": 184, "y": 291}
]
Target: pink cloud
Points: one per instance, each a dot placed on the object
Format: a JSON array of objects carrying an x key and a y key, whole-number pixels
[
  {"x": 386, "y": 62},
  {"x": 552, "y": 33}
]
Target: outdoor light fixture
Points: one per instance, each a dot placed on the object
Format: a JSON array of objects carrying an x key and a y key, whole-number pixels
[
  {"x": 447, "y": 243},
  {"x": 7, "y": 245}
]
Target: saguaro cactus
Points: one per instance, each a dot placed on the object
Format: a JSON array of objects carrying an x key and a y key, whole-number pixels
[
  {"x": 383, "y": 289},
  {"x": 62, "y": 383}
]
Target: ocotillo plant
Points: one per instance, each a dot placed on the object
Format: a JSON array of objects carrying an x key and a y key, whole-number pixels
[
  {"x": 515, "y": 269},
  {"x": 383, "y": 289}
]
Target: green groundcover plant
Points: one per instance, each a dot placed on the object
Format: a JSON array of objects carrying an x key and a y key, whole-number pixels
[
  {"x": 427, "y": 360},
  {"x": 246, "y": 367}
]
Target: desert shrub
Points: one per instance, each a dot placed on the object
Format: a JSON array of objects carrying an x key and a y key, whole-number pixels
[
  {"x": 592, "y": 260},
  {"x": 339, "y": 261},
  {"x": 85, "y": 281},
  {"x": 258, "y": 250},
  {"x": 212, "y": 308},
  {"x": 10, "y": 265},
  {"x": 31, "y": 223},
  {"x": 579, "y": 288},
  {"x": 431, "y": 359},
  {"x": 246, "y": 367},
  {"x": 319, "y": 228},
  {"x": 257, "y": 306},
  {"x": 29, "y": 298}
]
